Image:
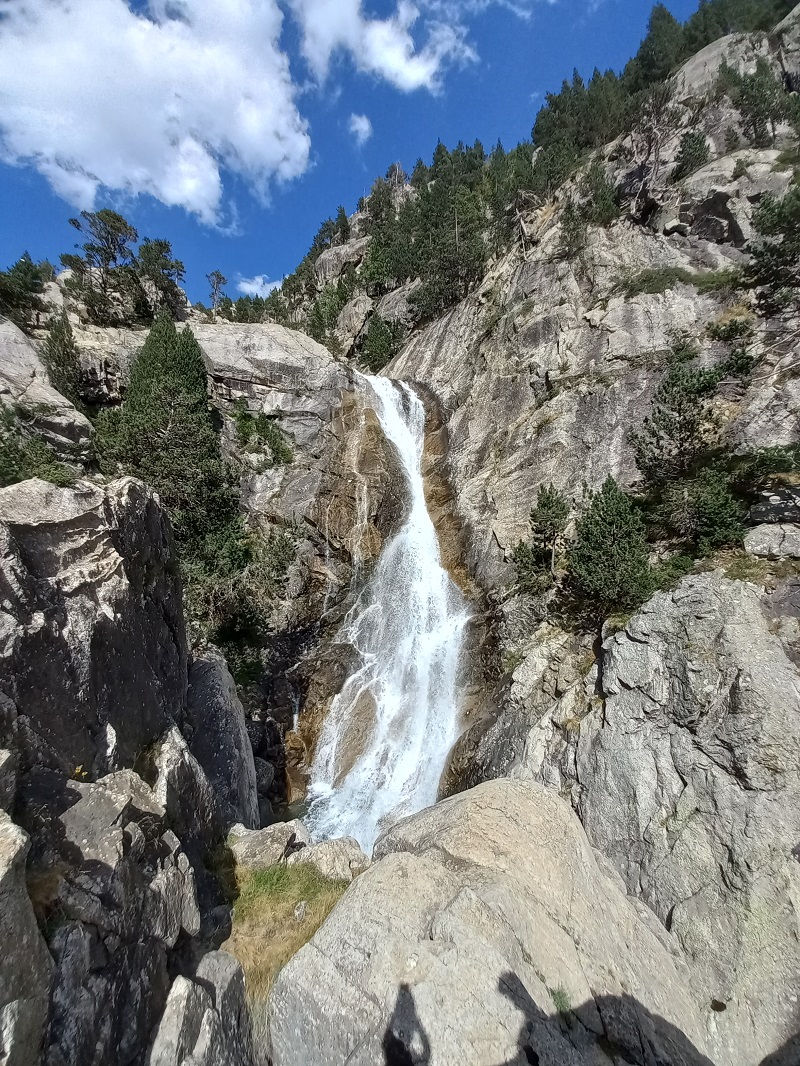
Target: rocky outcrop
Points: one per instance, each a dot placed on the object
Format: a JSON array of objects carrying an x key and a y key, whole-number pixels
[
  {"x": 260, "y": 849},
  {"x": 339, "y": 860},
  {"x": 91, "y": 625},
  {"x": 215, "y": 723},
  {"x": 94, "y": 696},
  {"x": 681, "y": 756},
  {"x": 25, "y": 965},
  {"x": 780, "y": 541},
  {"x": 487, "y": 933},
  {"x": 206, "y": 1020},
  {"x": 334, "y": 261},
  {"x": 24, "y": 386}
]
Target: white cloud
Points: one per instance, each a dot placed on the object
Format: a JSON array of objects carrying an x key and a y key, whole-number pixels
[
  {"x": 156, "y": 104},
  {"x": 361, "y": 128},
  {"x": 260, "y": 285},
  {"x": 379, "y": 46},
  {"x": 165, "y": 98}
]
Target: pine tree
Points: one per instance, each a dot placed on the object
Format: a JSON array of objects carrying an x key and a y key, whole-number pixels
[
  {"x": 548, "y": 521},
  {"x": 693, "y": 153},
  {"x": 164, "y": 432},
  {"x": 217, "y": 280},
  {"x": 101, "y": 276},
  {"x": 342, "y": 225},
  {"x": 608, "y": 563},
  {"x": 21, "y": 293},
  {"x": 679, "y": 428},
  {"x": 775, "y": 265},
  {"x": 60, "y": 357},
  {"x": 164, "y": 275}
]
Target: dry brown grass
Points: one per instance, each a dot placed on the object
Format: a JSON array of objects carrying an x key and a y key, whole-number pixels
[{"x": 265, "y": 932}]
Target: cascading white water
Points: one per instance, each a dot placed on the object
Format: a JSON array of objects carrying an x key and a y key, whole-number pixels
[{"x": 385, "y": 742}]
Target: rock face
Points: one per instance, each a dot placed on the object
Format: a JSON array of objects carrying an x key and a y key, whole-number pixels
[
  {"x": 681, "y": 757},
  {"x": 25, "y": 965},
  {"x": 487, "y": 933},
  {"x": 23, "y": 382},
  {"x": 205, "y": 1021},
  {"x": 93, "y": 698},
  {"x": 219, "y": 739},
  {"x": 91, "y": 626}
]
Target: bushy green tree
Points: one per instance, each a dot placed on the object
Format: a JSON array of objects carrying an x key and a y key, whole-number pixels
[
  {"x": 165, "y": 433},
  {"x": 600, "y": 207},
  {"x": 572, "y": 239},
  {"x": 759, "y": 98},
  {"x": 24, "y": 455},
  {"x": 60, "y": 357},
  {"x": 162, "y": 274},
  {"x": 608, "y": 563},
  {"x": 535, "y": 560},
  {"x": 21, "y": 293},
  {"x": 693, "y": 153},
  {"x": 102, "y": 276},
  {"x": 703, "y": 510},
  {"x": 774, "y": 269},
  {"x": 342, "y": 225},
  {"x": 380, "y": 344},
  {"x": 660, "y": 51},
  {"x": 680, "y": 427}
]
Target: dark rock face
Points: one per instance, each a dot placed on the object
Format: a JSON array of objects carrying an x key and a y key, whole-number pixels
[
  {"x": 92, "y": 643},
  {"x": 219, "y": 740},
  {"x": 118, "y": 813}
]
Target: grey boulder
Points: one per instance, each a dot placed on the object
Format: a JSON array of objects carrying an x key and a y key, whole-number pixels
[{"x": 486, "y": 933}]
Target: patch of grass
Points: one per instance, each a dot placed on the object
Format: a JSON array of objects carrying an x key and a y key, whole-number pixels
[
  {"x": 561, "y": 1000},
  {"x": 266, "y": 933},
  {"x": 740, "y": 566}
]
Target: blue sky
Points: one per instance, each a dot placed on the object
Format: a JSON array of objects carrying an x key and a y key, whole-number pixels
[{"x": 488, "y": 66}]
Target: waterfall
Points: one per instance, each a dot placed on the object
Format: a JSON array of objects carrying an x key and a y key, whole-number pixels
[{"x": 386, "y": 739}]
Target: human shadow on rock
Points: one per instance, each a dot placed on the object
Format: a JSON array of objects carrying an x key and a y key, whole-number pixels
[
  {"x": 619, "y": 1026},
  {"x": 405, "y": 1042}
]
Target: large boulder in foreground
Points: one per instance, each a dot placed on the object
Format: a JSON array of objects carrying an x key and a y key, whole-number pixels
[
  {"x": 486, "y": 934},
  {"x": 92, "y": 645}
]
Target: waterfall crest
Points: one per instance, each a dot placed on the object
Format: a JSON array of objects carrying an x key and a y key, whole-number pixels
[{"x": 386, "y": 739}]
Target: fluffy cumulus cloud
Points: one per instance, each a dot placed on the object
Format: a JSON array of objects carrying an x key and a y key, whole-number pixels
[
  {"x": 260, "y": 285},
  {"x": 155, "y": 102},
  {"x": 165, "y": 96},
  {"x": 379, "y": 46},
  {"x": 361, "y": 128}
]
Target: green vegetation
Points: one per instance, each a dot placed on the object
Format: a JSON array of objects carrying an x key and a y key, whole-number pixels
[
  {"x": 165, "y": 433},
  {"x": 381, "y": 343},
  {"x": 535, "y": 560},
  {"x": 608, "y": 564},
  {"x": 60, "y": 357},
  {"x": 759, "y": 98},
  {"x": 680, "y": 426},
  {"x": 116, "y": 285},
  {"x": 657, "y": 280},
  {"x": 21, "y": 292},
  {"x": 774, "y": 269},
  {"x": 260, "y": 431},
  {"x": 24, "y": 455},
  {"x": 692, "y": 154},
  {"x": 268, "y": 927}
]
